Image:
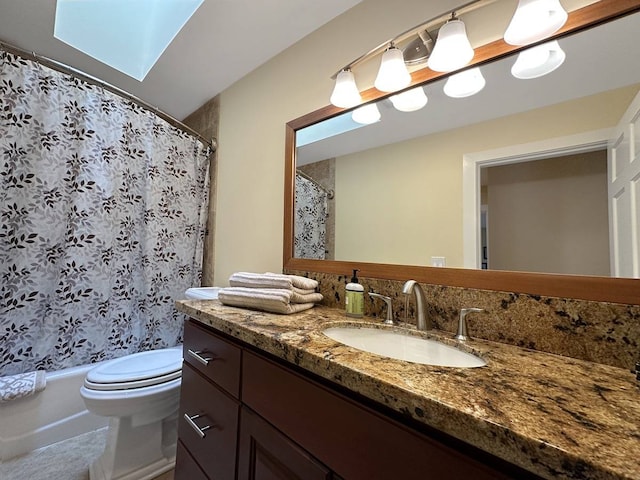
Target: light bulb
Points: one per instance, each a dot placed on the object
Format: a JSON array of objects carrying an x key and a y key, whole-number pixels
[
  {"x": 538, "y": 61},
  {"x": 464, "y": 84},
  {"x": 393, "y": 74},
  {"x": 535, "y": 20},
  {"x": 452, "y": 50},
  {"x": 345, "y": 93},
  {"x": 409, "y": 101},
  {"x": 366, "y": 114}
]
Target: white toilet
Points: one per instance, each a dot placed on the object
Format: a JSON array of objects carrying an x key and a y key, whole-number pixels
[{"x": 140, "y": 393}]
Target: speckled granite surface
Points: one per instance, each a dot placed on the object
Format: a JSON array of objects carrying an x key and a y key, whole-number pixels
[
  {"x": 599, "y": 332},
  {"x": 555, "y": 416}
]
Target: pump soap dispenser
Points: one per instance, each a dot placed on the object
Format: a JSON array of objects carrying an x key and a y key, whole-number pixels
[{"x": 354, "y": 298}]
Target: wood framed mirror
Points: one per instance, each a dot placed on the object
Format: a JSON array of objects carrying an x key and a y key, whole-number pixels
[{"x": 598, "y": 288}]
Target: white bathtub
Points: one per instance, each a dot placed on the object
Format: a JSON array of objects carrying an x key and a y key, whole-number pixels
[{"x": 52, "y": 415}]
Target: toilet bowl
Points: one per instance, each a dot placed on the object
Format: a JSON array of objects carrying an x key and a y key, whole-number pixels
[{"x": 140, "y": 393}]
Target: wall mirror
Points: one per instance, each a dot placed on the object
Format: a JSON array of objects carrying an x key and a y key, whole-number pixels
[{"x": 410, "y": 190}]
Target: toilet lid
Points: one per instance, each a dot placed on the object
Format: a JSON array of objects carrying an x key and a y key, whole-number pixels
[{"x": 138, "y": 370}]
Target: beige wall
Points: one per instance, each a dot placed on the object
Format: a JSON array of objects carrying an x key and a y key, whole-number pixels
[
  {"x": 254, "y": 110},
  {"x": 550, "y": 215},
  {"x": 402, "y": 203}
]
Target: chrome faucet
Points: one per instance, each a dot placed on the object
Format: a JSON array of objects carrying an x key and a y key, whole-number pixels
[
  {"x": 387, "y": 300},
  {"x": 411, "y": 286},
  {"x": 462, "y": 334}
]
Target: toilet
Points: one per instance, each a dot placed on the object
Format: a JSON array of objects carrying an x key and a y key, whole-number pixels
[{"x": 140, "y": 394}]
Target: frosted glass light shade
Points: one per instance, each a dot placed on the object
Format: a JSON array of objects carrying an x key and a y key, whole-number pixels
[
  {"x": 409, "y": 101},
  {"x": 464, "y": 84},
  {"x": 538, "y": 61},
  {"x": 452, "y": 50},
  {"x": 366, "y": 114},
  {"x": 393, "y": 74},
  {"x": 345, "y": 92},
  {"x": 535, "y": 20}
]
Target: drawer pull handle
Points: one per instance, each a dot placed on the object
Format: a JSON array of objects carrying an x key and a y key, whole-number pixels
[
  {"x": 199, "y": 430},
  {"x": 198, "y": 356}
]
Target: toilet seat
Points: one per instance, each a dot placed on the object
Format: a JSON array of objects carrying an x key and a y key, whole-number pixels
[{"x": 139, "y": 370}]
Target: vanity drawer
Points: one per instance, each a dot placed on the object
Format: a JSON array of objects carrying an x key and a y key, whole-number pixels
[
  {"x": 215, "y": 357},
  {"x": 212, "y": 431}
]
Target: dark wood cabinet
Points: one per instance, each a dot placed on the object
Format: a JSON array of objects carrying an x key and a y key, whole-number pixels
[
  {"x": 269, "y": 421},
  {"x": 351, "y": 439},
  {"x": 186, "y": 466},
  {"x": 266, "y": 454},
  {"x": 208, "y": 425}
]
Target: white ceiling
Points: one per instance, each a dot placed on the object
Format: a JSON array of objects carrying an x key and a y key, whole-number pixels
[{"x": 221, "y": 43}]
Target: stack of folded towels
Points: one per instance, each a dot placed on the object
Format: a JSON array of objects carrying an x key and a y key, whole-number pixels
[{"x": 271, "y": 292}]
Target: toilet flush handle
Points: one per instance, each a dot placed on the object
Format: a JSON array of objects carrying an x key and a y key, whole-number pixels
[{"x": 198, "y": 356}]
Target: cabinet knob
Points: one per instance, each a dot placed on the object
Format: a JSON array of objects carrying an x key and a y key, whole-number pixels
[
  {"x": 199, "y": 430},
  {"x": 198, "y": 356}
]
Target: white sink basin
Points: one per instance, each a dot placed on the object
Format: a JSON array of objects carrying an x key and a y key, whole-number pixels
[{"x": 400, "y": 346}]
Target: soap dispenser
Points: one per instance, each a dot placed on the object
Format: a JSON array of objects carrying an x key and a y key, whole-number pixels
[{"x": 354, "y": 298}]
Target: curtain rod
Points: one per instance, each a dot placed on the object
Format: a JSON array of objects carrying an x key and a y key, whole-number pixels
[
  {"x": 330, "y": 193},
  {"x": 64, "y": 68}
]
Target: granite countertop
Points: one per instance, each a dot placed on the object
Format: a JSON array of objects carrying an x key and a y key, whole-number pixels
[{"x": 555, "y": 416}]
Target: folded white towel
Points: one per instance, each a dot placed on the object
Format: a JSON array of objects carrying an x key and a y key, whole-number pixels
[
  {"x": 296, "y": 280},
  {"x": 21, "y": 385},
  {"x": 295, "y": 283},
  {"x": 275, "y": 300},
  {"x": 201, "y": 293}
]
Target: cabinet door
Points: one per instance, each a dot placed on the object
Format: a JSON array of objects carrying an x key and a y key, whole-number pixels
[
  {"x": 208, "y": 425},
  {"x": 186, "y": 466},
  {"x": 266, "y": 454}
]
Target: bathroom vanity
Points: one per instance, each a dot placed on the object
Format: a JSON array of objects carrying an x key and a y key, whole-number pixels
[{"x": 269, "y": 396}]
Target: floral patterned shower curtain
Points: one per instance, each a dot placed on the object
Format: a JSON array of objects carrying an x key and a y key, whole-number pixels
[
  {"x": 103, "y": 209},
  {"x": 310, "y": 220}
]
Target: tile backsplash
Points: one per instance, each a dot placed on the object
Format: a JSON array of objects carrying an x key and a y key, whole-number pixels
[{"x": 600, "y": 332}]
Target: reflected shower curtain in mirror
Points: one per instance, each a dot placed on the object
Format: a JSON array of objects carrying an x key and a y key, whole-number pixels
[
  {"x": 310, "y": 220},
  {"x": 103, "y": 208}
]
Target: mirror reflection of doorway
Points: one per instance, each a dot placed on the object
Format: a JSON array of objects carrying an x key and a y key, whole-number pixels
[
  {"x": 484, "y": 235},
  {"x": 547, "y": 215}
]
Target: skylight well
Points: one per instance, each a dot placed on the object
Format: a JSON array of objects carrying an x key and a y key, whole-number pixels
[
  {"x": 329, "y": 128},
  {"x": 128, "y": 35}
]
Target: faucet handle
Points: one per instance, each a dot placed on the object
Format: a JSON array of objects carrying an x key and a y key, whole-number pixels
[
  {"x": 462, "y": 334},
  {"x": 389, "y": 319}
]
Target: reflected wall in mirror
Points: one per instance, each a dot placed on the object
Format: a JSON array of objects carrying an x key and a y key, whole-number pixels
[{"x": 400, "y": 184}]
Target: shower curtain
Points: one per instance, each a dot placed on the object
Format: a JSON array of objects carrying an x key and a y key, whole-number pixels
[
  {"x": 310, "y": 220},
  {"x": 103, "y": 211}
]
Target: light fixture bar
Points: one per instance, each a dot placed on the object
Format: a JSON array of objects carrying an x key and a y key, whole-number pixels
[{"x": 428, "y": 25}]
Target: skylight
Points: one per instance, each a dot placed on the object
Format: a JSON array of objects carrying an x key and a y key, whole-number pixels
[
  {"x": 128, "y": 35},
  {"x": 328, "y": 128}
]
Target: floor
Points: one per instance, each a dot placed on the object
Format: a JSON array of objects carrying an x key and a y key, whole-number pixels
[{"x": 66, "y": 460}]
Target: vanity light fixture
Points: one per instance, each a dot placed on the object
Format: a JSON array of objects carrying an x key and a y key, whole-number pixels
[
  {"x": 464, "y": 84},
  {"x": 409, "y": 101},
  {"x": 366, "y": 114},
  {"x": 452, "y": 50},
  {"x": 393, "y": 74},
  {"x": 535, "y": 20},
  {"x": 538, "y": 61},
  {"x": 345, "y": 92}
]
